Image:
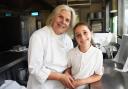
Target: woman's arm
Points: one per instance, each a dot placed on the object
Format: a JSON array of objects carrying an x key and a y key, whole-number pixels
[
  {"x": 88, "y": 80},
  {"x": 68, "y": 71}
]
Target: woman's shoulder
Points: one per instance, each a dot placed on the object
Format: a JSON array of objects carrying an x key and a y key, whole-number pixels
[
  {"x": 73, "y": 50},
  {"x": 41, "y": 32},
  {"x": 96, "y": 49},
  {"x": 67, "y": 37}
]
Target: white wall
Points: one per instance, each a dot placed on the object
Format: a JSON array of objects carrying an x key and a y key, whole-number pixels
[{"x": 126, "y": 16}]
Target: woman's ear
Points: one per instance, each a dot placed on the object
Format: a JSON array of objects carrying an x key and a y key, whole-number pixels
[{"x": 92, "y": 33}]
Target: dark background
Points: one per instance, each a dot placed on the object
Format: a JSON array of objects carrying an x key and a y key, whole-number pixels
[{"x": 10, "y": 32}]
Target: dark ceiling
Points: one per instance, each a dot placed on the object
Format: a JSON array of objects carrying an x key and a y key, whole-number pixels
[
  {"x": 21, "y": 5},
  {"x": 27, "y": 5}
]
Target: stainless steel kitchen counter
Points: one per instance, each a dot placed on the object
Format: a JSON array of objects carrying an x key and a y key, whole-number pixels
[{"x": 111, "y": 79}]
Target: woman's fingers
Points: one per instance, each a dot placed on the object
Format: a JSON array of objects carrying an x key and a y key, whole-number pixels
[{"x": 67, "y": 81}]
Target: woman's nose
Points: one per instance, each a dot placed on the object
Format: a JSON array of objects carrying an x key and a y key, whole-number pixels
[
  {"x": 64, "y": 21},
  {"x": 82, "y": 36}
]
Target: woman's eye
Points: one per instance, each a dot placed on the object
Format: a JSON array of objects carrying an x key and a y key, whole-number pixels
[
  {"x": 60, "y": 16},
  {"x": 67, "y": 20},
  {"x": 78, "y": 35},
  {"x": 85, "y": 32}
]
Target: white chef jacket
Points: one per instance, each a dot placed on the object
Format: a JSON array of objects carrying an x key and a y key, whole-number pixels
[
  {"x": 47, "y": 52},
  {"x": 85, "y": 64}
]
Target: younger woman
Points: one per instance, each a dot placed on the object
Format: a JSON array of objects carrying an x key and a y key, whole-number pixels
[{"x": 85, "y": 61}]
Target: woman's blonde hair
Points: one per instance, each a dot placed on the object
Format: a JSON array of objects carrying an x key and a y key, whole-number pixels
[{"x": 57, "y": 10}]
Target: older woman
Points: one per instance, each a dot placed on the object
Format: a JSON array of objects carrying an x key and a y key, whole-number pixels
[{"x": 48, "y": 49}]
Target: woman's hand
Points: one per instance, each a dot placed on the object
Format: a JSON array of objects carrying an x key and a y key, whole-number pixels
[
  {"x": 76, "y": 83},
  {"x": 67, "y": 81}
]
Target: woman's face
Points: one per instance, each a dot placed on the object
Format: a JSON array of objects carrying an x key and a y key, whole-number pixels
[
  {"x": 83, "y": 35},
  {"x": 61, "y": 22}
]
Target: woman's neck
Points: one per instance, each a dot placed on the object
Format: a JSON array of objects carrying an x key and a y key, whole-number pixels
[{"x": 84, "y": 48}]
